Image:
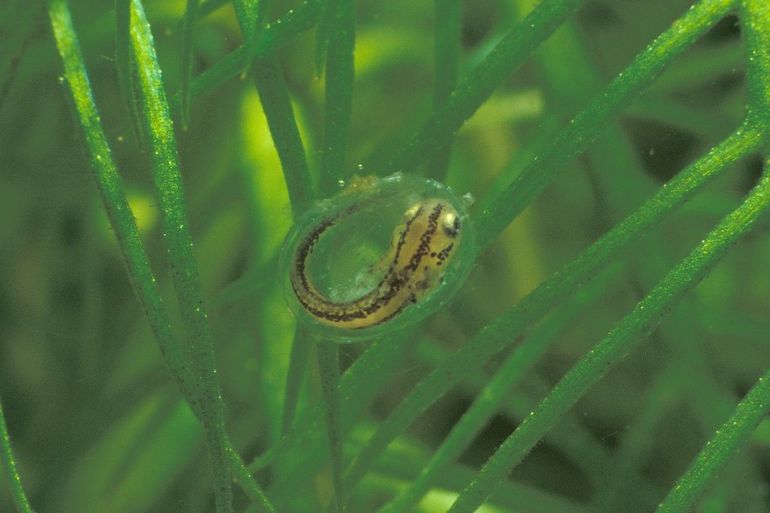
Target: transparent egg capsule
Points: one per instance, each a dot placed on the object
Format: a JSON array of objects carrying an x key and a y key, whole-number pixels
[{"x": 380, "y": 255}]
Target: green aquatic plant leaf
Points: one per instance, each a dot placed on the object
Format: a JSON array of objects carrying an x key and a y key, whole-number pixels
[
  {"x": 722, "y": 447},
  {"x": 733, "y": 434},
  {"x": 338, "y": 90},
  {"x": 497, "y": 211},
  {"x": 111, "y": 189},
  {"x": 124, "y": 61},
  {"x": 579, "y": 148},
  {"x": 513, "y": 369},
  {"x": 477, "y": 85},
  {"x": 122, "y": 220},
  {"x": 619, "y": 343},
  {"x": 161, "y": 143},
  {"x": 12, "y": 479},
  {"x": 329, "y": 368},
  {"x": 273, "y": 93},
  {"x": 447, "y": 34},
  {"x": 274, "y": 36},
  {"x": 504, "y": 330},
  {"x": 186, "y": 59}
]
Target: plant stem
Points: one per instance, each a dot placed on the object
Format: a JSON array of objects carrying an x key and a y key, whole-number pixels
[
  {"x": 295, "y": 376},
  {"x": 755, "y": 20},
  {"x": 618, "y": 343},
  {"x": 360, "y": 383},
  {"x": 478, "y": 85},
  {"x": 124, "y": 62},
  {"x": 504, "y": 330},
  {"x": 337, "y": 46},
  {"x": 727, "y": 440},
  {"x": 268, "y": 41},
  {"x": 570, "y": 437},
  {"x": 168, "y": 182},
  {"x": 276, "y": 103},
  {"x": 400, "y": 467},
  {"x": 447, "y": 15},
  {"x": 492, "y": 394},
  {"x": 113, "y": 197},
  {"x": 255, "y": 15},
  {"x": 274, "y": 95},
  {"x": 497, "y": 211},
  {"x": 755, "y": 16},
  {"x": 9, "y": 467},
  {"x": 186, "y": 59},
  {"x": 329, "y": 366},
  {"x": 323, "y": 31},
  {"x": 338, "y": 89},
  {"x": 243, "y": 477},
  {"x": 619, "y": 179}
]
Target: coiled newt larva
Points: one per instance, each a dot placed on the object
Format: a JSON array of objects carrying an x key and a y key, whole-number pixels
[{"x": 421, "y": 248}]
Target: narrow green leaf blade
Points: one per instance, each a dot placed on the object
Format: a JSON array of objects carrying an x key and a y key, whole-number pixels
[
  {"x": 124, "y": 63},
  {"x": 186, "y": 59},
  {"x": 274, "y": 95},
  {"x": 518, "y": 363},
  {"x": 732, "y": 435},
  {"x": 446, "y": 62},
  {"x": 323, "y": 32},
  {"x": 295, "y": 376},
  {"x": 339, "y": 78},
  {"x": 329, "y": 367},
  {"x": 728, "y": 439},
  {"x": 755, "y": 16},
  {"x": 112, "y": 192},
  {"x": 504, "y": 330},
  {"x": 273, "y": 37},
  {"x": 499, "y": 210},
  {"x": 477, "y": 85},
  {"x": 13, "y": 481},
  {"x": 617, "y": 344},
  {"x": 168, "y": 182}
]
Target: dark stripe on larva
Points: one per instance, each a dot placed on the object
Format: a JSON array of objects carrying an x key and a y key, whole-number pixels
[
  {"x": 426, "y": 238},
  {"x": 303, "y": 253},
  {"x": 371, "y": 302},
  {"x": 400, "y": 245},
  {"x": 444, "y": 253},
  {"x": 396, "y": 281},
  {"x": 410, "y": 300}
]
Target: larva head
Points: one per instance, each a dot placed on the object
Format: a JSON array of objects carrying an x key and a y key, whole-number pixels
[
  {"x": 424, "y": 244},
  {"x": 446, "y": 217}
]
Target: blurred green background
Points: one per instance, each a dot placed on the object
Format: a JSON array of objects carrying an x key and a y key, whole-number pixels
[{"x": 98, "y": 425}]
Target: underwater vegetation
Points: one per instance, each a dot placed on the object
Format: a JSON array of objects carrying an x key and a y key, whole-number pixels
[{"x": 385, "y": 256}]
